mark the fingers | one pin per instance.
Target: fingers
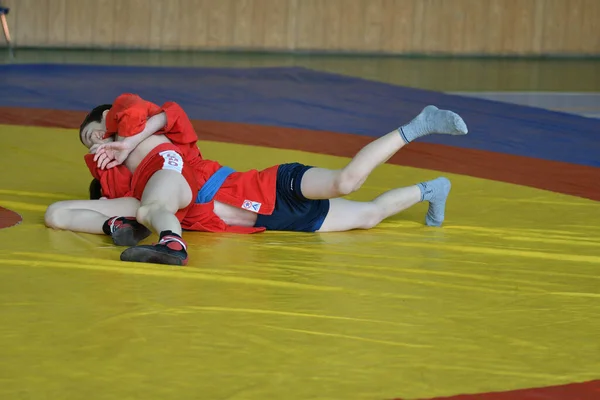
(107, 155)
(99, 152)
(105, 162)
(102, 152)
(101, 159)
(113, 164)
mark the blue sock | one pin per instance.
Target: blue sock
(435, 192)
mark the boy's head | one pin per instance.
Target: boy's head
(93, 127)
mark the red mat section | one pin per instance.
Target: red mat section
(8, 218)
(574, 391)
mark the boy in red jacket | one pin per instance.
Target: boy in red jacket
(155, 184)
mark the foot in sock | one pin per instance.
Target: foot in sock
(125, 231)
(435, 192)
(433, 120)
(170, 250)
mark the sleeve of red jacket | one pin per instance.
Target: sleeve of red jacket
(128, 115)
(116, 182)
(179, 128)
(180, 131)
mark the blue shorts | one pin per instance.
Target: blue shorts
(293, 211)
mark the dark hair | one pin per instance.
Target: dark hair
(95, 189)
(94, 116)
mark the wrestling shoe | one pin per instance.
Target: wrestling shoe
(170, 250)
(125, 231)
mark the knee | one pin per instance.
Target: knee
(348, 182)
(55, 216)
(144, 212)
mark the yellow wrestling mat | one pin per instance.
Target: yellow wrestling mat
(505, 296)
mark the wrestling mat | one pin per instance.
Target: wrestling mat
(500, 303)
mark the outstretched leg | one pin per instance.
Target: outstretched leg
(346, 214)
(96, 216)
(320, 183)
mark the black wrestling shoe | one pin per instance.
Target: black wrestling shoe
(125, 231)
(170, 250)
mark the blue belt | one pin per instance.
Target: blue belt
(213, 184)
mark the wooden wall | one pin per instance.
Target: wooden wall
(387, 26)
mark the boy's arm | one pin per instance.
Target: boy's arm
(153, 125)
(111, 154)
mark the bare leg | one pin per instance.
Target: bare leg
(88, 216)
(320, 183)
(166, 192)
(346, 215)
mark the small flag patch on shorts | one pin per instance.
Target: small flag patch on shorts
(251, 206)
